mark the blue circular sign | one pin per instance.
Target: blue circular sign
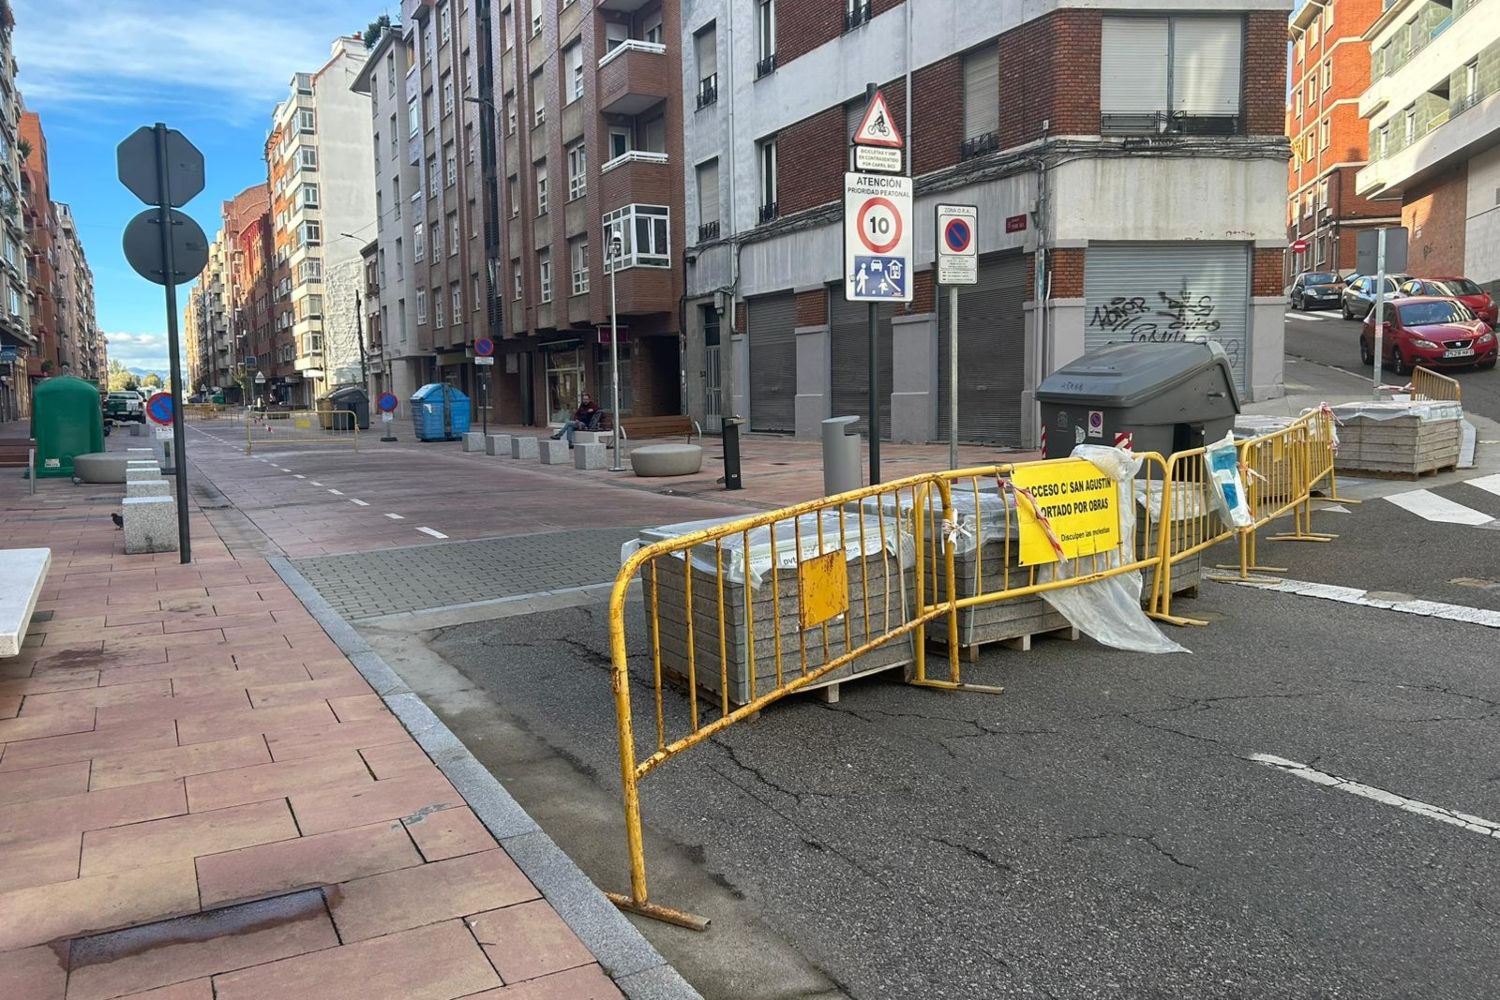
(160, 409)
(387, 402)
(484, 347)
(957, 235)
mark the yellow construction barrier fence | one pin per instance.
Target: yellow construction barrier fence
(1428, 383)
(298, 428)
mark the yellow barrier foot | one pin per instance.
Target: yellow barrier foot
(952, 686)
(1178, 619)
(665, 914)
(1316, 536)
(1236, 577)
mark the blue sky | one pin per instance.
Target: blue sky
(213, 69)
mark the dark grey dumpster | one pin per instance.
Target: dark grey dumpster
(353, 399)
(1155, 397)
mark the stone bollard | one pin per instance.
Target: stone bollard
(523, 447)
(150, 524)
(553, 452)
(590, 456)
(497, 445)
(474, 442)
(147, 488)
(141, 473)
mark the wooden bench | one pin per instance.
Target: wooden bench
(22, 572)
(672, 425)
(14, 452)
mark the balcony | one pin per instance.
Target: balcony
(766, 66)
(856, 14)
(1453, 135)
(636, 177)
(708, 231)
(633, 77)
(623, 6)
(979, 145)
(708, 91)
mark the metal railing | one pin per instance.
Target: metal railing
(766, 213)
(857, 13)
(708, 90)
(1426, 382)
(273, 429)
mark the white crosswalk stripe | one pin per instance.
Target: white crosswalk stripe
(1429, 506)
(1490, 484)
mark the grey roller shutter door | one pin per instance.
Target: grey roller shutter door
(1165, 292)
(991, 353)
(773, 362)
(849, 347)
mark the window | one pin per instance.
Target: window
(706, 50)
(436, 231)
(578, 250)
(708, 200)
(643, 234)
(311, 269)
(1327, 73)
(573, 71)
(445, 23)
(395, 142)
(615, 35)
(540, 169)
(765, 36)
(395, 197)
(311, 234)
(578, 181)
(473, 218)
(474, 290)
(1297, 102)
(456, 294)
(508, 27)
(515, 276)
(437, 308)
(1328, 17)
(544, 273)
(1322, 194)
(536, 18)
(765, 156)
(981, 101)
(310, 307)
(419, 242)
(306, 120)
(1324, 133)
(469, 154)
(512, 197)
(422, 306)
(312, 343)
(309, 157)
(619, 142)
(400, 263)
(432, 177)
(1410, 125)
(1384, 144)
(448, 93)
(653, 30)
(450, 156)
(538, 99)
(1171, 73)
(310, 195)
(414, 118)
(427, 116)
(510, 113)
(453, 237)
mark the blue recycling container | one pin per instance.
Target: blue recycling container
(439, 412)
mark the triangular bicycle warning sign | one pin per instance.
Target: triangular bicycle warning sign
(878, 127)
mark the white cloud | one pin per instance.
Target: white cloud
(219, 57)
(138, 350)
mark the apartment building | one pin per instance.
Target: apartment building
(249, 292)
(376, 364)
(591, 112)
(1127, 161)
(38, 253)
(19, 362)
(1330, 68)
(215, 343)
(73, 297)
(1434, 132)
(323, 210)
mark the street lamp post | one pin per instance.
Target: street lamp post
(487, 165)
(614, 250)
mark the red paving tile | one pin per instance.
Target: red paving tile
(323, 859)
(394, 901)
(527, 941)
(33, 974)
(448, 833)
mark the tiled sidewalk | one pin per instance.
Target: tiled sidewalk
(200, 797)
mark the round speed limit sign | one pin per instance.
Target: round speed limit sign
(879, 225)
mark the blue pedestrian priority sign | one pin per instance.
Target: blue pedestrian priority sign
(880, 277)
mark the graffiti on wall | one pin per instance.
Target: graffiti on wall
(1171, 318)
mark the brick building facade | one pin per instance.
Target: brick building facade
(1103, 180)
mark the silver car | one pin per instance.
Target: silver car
(1359, 293)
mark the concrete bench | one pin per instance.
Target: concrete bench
(102, 467)
(22, 573)
(666, 460)
(150, 524)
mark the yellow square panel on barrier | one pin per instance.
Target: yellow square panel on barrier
(303, 423)
(1081, 505)
(823, 587)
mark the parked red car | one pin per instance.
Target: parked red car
(1477, 299)
(1431, 332)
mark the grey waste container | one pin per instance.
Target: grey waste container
(1159, 397)
(841, 471)
(353, 399)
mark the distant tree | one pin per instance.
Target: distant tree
(375, 29)
(119, 378)
(152, 381)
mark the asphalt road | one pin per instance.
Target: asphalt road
(1328, 339)
(1101, 828)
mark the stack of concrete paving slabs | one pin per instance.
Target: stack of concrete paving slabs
(1398, 437)
(753, 583)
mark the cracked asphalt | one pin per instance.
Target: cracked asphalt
(1099, 829)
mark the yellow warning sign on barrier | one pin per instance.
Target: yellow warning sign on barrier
(1080, 505)
(823, 582)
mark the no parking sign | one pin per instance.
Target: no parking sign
(957, 254)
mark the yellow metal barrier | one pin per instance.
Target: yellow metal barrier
(744, 613)
(1426, 382)
(212, 411)
(1190, 524)
(298, 428)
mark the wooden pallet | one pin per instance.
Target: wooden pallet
(1405, 474)
(1020, 643)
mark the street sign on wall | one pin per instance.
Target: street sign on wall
(957, 251)
(877, 238)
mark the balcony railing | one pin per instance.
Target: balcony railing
(708, 91)
(856, 14)
(979, 145)
(1398, 140)
(708, 231)
(1167, 123)
(633, 156)
(767, 212)
(631, 45)
(766, 66)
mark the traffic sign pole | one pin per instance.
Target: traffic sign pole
(179, 429)
(956, 263)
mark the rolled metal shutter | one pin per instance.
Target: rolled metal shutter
(991, 352)
(849, 350)
(1167, 292)
(773, 362)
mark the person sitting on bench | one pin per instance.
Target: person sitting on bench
(586, 417)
